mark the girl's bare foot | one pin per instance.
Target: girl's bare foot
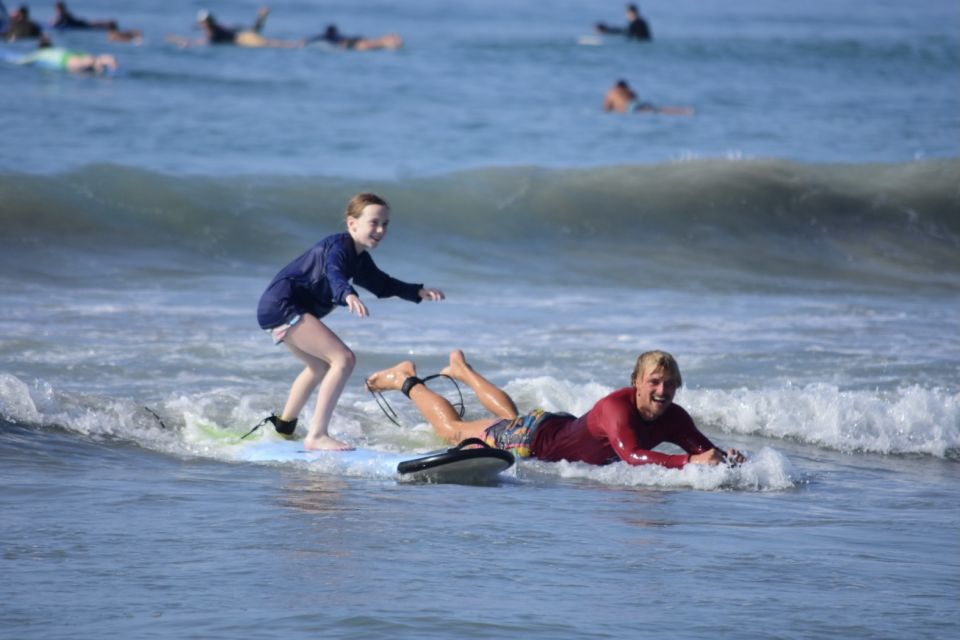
(391, 379)
(458, 367)
(325, 443)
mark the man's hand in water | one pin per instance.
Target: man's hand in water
(717, 456)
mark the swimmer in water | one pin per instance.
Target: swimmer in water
(333, 37)
(48, 56)
(621, 98)
(216, 33)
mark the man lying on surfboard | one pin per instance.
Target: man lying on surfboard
(216, 33)
(332, 36)
(48, 56)
(625, 425)
(621, 98)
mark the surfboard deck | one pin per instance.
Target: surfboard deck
(470, 462)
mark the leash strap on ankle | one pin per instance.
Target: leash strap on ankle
(409, 384)
(413, 381)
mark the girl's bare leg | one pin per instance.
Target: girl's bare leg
(329, 365)
(435, 408)
(302, 387)
(493, 398)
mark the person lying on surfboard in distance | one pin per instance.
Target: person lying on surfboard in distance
(64, 19)
(333, 37)
(217, 33)
(625, 425)
(48, 56)
(621, 98)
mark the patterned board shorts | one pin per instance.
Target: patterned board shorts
(517, 435)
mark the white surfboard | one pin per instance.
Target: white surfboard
(590, 41)
(470, 462)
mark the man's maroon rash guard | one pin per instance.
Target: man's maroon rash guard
(613, 430)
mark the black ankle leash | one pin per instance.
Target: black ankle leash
(257, 426)
(154, 414)
(283, 427)
(409, 384)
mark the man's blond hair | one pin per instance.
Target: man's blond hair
(653, 360)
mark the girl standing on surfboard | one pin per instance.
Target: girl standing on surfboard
(309, 288)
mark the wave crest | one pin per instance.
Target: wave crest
(910, 420)
(757, 216)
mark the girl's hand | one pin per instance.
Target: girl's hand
(355, 306)
(431, 294)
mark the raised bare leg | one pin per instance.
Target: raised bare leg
(493, 398)
(392, 379)
(435, 408)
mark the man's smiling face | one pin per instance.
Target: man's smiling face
(655, 391)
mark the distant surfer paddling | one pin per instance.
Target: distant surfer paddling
(216, 33)
(621, 98)
(64, 19)
(625, 425)
(47, 56)
(309, 288)
(333, 37)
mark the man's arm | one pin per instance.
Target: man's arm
(604, 28)
(616, 416)
(701, 450)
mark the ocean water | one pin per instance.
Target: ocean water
(795, 243)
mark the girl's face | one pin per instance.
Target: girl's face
(370, 228)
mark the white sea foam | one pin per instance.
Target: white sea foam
(15, 402)
(911, 419)
(766, 470)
